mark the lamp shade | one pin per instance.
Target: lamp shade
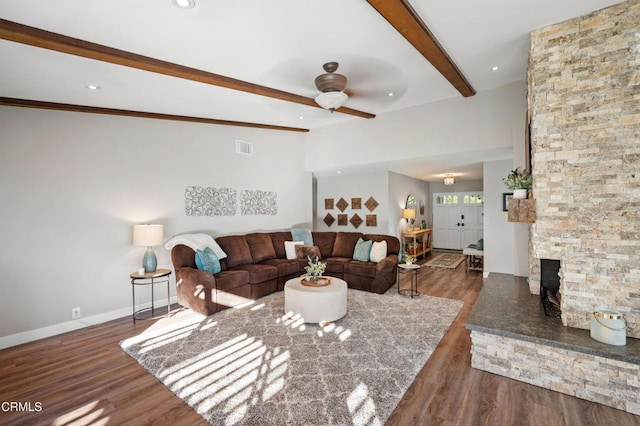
(331, 100)
(147, 235)
(408, 214)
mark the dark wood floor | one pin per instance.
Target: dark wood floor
(84, 377)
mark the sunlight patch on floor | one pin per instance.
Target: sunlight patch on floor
(85, 415)
(362, 407)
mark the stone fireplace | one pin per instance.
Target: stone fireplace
(584, 97)
(584, 105)
(550, 287)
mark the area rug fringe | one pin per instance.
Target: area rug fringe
(255, 365)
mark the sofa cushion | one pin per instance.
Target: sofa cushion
(363, 269)
(260, 246)
(345, 244)
(226, 280)
(259, 273)
(362, 250)
(336, 264)
(237, 250)
(325, 241)
(285, 267)
(278, 239)
(206, 260)
(306, 252)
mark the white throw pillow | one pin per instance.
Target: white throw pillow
(378, 251)
(290, 248)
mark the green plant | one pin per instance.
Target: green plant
(517, 179)
(408, 258)
(315, 268)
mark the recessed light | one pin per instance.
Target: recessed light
(92, 87)
(301, 118)
(495, 68)
(338, 172)
(390, 94)
(184, 4)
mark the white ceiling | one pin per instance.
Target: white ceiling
(278, 43)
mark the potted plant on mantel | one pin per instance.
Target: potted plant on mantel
(519, 181)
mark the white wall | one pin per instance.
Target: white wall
(486, 122)
(498, 232)
(458, 186)
(73, 185)
(521, 230)
(360, 186)
(400, 187)
(389, 189)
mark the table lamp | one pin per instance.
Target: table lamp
(409, 214)
(148, 236)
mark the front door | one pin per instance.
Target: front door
(457, 219)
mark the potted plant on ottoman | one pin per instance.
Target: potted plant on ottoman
(519, 181)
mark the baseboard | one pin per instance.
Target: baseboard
(65, 327)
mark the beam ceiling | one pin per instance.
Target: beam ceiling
(406, 21)
(25, 103)
(32, 36)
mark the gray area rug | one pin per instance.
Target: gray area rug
(255, 366)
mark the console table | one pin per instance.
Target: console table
(421, 240)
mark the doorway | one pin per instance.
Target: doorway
(458, 219)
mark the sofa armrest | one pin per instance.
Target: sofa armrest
(196, 289)
(386, 273)
(387, 265)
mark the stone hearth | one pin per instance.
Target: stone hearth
(511, 336)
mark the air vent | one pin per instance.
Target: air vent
(244, 148)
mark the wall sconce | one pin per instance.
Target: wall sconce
(148, 236)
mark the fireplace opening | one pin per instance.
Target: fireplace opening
(550, 287)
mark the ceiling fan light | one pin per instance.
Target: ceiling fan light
(184, 4)
(331, 100)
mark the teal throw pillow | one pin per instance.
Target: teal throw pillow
(480, 245)
(362, 250)
(300, 234)
(207, 261)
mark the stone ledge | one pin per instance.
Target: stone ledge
(511, 337)
(505, 307)
(597, 379)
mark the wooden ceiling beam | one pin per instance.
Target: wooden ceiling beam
(27, 103)
(406, 21)
(37, 37)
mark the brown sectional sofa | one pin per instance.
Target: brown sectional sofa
(256, 265)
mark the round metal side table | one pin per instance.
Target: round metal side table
(412, 270)
(150, 278)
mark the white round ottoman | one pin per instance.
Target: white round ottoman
(316, 304)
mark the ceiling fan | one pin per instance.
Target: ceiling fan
(332, 85)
